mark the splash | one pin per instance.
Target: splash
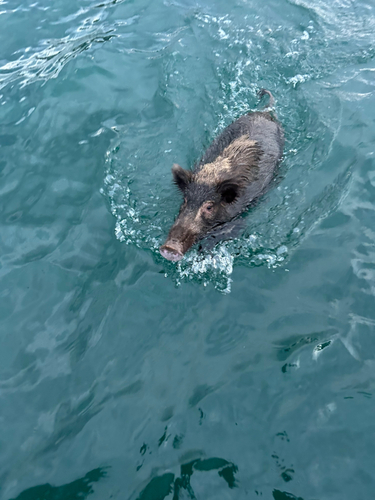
(138, 183)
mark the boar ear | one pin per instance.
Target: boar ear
(229, 191)
(181, 177)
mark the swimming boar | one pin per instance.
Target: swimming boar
(234, 171)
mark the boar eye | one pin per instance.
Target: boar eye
(208, 207)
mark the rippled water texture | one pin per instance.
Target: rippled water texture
(242, 372)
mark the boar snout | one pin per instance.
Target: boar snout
(172, 251)
(179, 241)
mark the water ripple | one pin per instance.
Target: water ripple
(48, 62)
(143, 203)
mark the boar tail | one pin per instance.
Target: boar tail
(271, 102)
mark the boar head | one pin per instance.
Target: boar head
(213, 194)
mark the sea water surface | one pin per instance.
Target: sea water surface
(244, 372)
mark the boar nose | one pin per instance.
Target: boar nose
(171, 251)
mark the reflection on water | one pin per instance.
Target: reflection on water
(76, 490)
(283, 495)
(161, 486)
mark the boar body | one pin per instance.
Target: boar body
(234, 171)
(268, 138)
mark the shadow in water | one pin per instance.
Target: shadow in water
(289, 346)
(283, 495)
(161, 486)
(77, 490)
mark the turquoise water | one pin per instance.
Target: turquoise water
(245, 372)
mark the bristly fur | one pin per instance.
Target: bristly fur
(235, 170)
(238, 163)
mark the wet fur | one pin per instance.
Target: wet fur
(254, 144)
(238, 163)
(234, 171)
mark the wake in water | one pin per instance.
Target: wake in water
(138, 181)
(273, 228)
